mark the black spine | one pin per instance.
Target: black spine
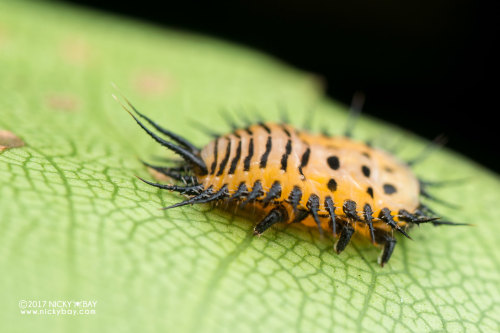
(313, 206)
(295, 197)
(330, 207)
(274, 193)
(368, 215)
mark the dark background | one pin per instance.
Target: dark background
(428, 66)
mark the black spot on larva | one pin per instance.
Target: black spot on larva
(332, 185)
(370, 192)
(365, 170)
(366, 154)
(389, 189)
(390, 170)
(333, 162)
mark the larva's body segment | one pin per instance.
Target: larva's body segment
(291, 176)
(361, 173)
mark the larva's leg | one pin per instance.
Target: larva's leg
(276, 215)
(386, 253)
(345, 237)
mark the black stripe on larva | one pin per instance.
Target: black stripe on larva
(226, 158)
(295, 197)
(236, 159)
(332, 185)
(284, 158)
(370, 192)
(264, 126)
(214, 163)
(286, 131)
(389, 189)
(333, 162)
(249, 131)
(246, 163)
(264, 157)
(365, 170)
(304, 160)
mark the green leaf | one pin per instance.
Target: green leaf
(77, 225)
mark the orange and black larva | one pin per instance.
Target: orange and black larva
(292, 176)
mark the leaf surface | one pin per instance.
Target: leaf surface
(77, 225)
